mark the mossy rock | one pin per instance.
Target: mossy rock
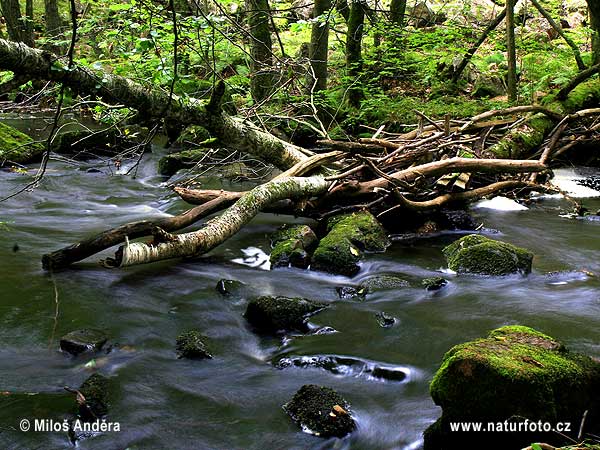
(80, 341)
(291, 246)
(96, 392)
(383, 283)
(84, 144)
(191, 345)
(17, 147)
(348, 237)
(192, 137)
(481, 255)
(169, 164)
(272, 314)
(516, 372)
(434, 283)
(321, 411)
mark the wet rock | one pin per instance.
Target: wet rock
(385, 320)
(169, 164)
(95, 391)
(434, 283)
(190, 345)
(456, 219)
(291, 246)
(17, 147)
(85, 144)
(481, 255)
(515, 372)
(383, 282)
(349, 292)
(388, 373)
(272, 314)
(229, 287)
(85, 340)
(348, 236)
(321, 411)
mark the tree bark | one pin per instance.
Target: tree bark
(354, 50)
(319, 46)
(261, 49)
(218, 230)
(16, 24)
(511, 51)
(237, 133)
(397, 12)
(594, 10)
(53, 21)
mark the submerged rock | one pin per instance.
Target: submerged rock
(17, 147)
(272, 314)
(169, 164)
(291, 246)
(80, 341)
(229, 287)
(348, 237)
(95, 390)
(385, 320)
(350, 292)
(383, 282)
(481, 255)
(190, 345)
(434, 283)
(85, 144)
(516, 372)
(321, 411)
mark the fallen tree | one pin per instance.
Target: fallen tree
(443, 164)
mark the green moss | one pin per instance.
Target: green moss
(170, 164)
(434, 283)
(272, 314)
(321, 410)
(480, 255)
(585, 95)
(520, 141)
(383, 282)
(348, 237)
(515, 371)
(96, 392)
(191, 345)
(291, 246)
(17, 147)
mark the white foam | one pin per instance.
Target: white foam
(566, 180)
(501, 204)
(254, 257)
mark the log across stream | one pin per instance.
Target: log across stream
(234, 400)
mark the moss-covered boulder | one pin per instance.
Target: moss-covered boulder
(17, 147)
(434, 283)
(481, 255)
(85, 144)
(383, 283)
(95, 390)
(291, 246)
(272, 314)
(191, 345)
(169, 164)
(80, 341)
(321, 411)
(192, 137)
(516, 373)
(348, 237)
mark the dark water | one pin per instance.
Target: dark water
(234, 401)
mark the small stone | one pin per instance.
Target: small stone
(229, 287)
(272, 314)
(434, 283)
(349, 292)
(191, 345)
(95, 392)
(85, 340)
(388, 373)
(385, 320)
(311, 408)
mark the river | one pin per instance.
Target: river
(234, 400)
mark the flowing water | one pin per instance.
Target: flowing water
(234, 400)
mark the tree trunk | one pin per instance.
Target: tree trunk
(319, 46)
(594, 10)
(397, 12)
(53, 21)
(353, 50)
(235, 132)
(511, 51)
(16, 24)
(261, 84)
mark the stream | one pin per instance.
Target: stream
(234, 400)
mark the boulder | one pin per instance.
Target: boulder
(434, 283)
(17, 147)
(190, 345)
(229, 287)
(478, 254)
(85, 144)
(169, 164)
(489, 86)
(350, 292)
(383, 283)
(272, 314)
(516, 373)
(80, 341)
(348, 237)
(291, 246)
(321, 411)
